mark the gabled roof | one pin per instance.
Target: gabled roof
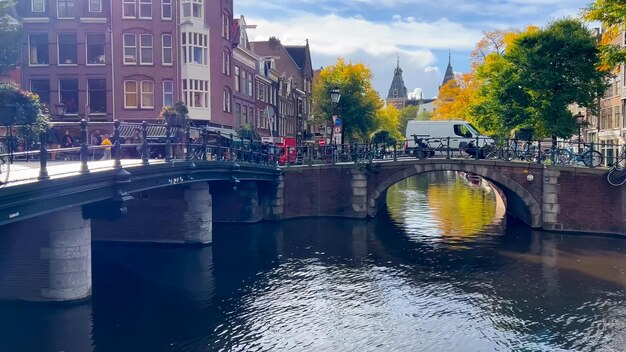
(298, 54)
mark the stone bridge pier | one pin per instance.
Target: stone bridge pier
(47, 258)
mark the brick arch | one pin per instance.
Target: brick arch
(520, 202)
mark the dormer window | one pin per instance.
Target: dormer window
(38, 5)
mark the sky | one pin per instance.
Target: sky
(376, 32)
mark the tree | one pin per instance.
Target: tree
(542, 72)
(247, 131)
(456, 97)
(388, 119)
(28, 108)
(384, 137)
(10, 34)
(407, 114)
(359, 101)
(612, 15)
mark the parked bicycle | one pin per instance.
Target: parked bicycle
(587, 156)
(556, 156)
(525, 151)
(617, 172)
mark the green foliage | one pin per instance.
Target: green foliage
(247, 131)
(384, 137)
(359, 101)
(28, 108)
(424, 115)
(10, 34)
(540, 75)
(612, 15)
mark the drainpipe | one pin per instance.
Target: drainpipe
(112, 61)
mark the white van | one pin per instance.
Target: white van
(436, 133)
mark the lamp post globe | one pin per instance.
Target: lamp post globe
(580, 121)
(335, 95)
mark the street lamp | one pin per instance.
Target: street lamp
(335, 95)
(580, 121)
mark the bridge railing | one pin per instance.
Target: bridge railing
(91, 146)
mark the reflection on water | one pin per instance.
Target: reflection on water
(444, 206)
(396, 283)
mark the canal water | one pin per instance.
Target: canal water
(441, 270)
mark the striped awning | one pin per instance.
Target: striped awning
(158, 131)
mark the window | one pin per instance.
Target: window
(38, 49)
(41, 87)
(166, 9)
(192, 8)
(168, 93)
(129, 9)
(145, 49)
(250, 87)
(237, 79)
(95, 5)
(226, 62)
(196, 93)
(38, 5)
(68, 95)
(226, 102)
(225, 26)
(145, 9)
(65, 8)
(147, 95)
(95, 49)
(67, 49)
(130, 94)
(166, 47)
(130, 49)
(97, 96)
(238, 114)
(195, 48)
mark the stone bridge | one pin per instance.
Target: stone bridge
(46, 227)
(543, 197)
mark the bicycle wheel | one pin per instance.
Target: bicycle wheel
(489, 152)
(616, 177)
(507, 154)
(562, 156)
(592, 158)
(5, 165)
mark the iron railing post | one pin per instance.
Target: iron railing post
(477, 154)
(231, 148)
(205, 136)
(84, 150)
(117, 163)
(168, 142)
(43, 155)
(187, 143)
(539, 161)
(448, 147)
(144, 143)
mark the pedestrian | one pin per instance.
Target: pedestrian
(135, 139)
(106, 142)
(67, 141)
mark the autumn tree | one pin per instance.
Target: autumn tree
(388, 119)
(456, 97)
(541, 73)
(10, 34)
(407, 114)
(359, 101)
(612, 15)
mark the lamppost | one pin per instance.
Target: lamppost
(580, 121)
(335, 95)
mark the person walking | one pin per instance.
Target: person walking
(107, 150)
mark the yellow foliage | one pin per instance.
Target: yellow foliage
(388, 119)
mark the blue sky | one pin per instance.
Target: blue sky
(375, 31)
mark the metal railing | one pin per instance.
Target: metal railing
(188, 143)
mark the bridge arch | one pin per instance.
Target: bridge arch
(519, 202)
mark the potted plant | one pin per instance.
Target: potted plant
(176, 115)
(20, 107)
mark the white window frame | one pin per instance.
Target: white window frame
(142, 47)
(164, 4)
(142, 93)
(42, 3)
(237, 79)
(59, 50)
(61, 17)
(143, 3)
(227, 101)
(168, 92)
(126, 106)
(133, 47)
(129, 2)
(89, 91)
(87, 50)
(171, 50)
(226, 62)
(92, 2)
(30, 63)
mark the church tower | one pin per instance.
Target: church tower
(449, 71)
(397, 92)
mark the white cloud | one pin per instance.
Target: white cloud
(431, 69)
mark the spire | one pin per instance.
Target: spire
(398, 89)
(449, 71)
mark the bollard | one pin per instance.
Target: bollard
(144, 143)
(84, 150)
(43, 155)
(117, 163)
